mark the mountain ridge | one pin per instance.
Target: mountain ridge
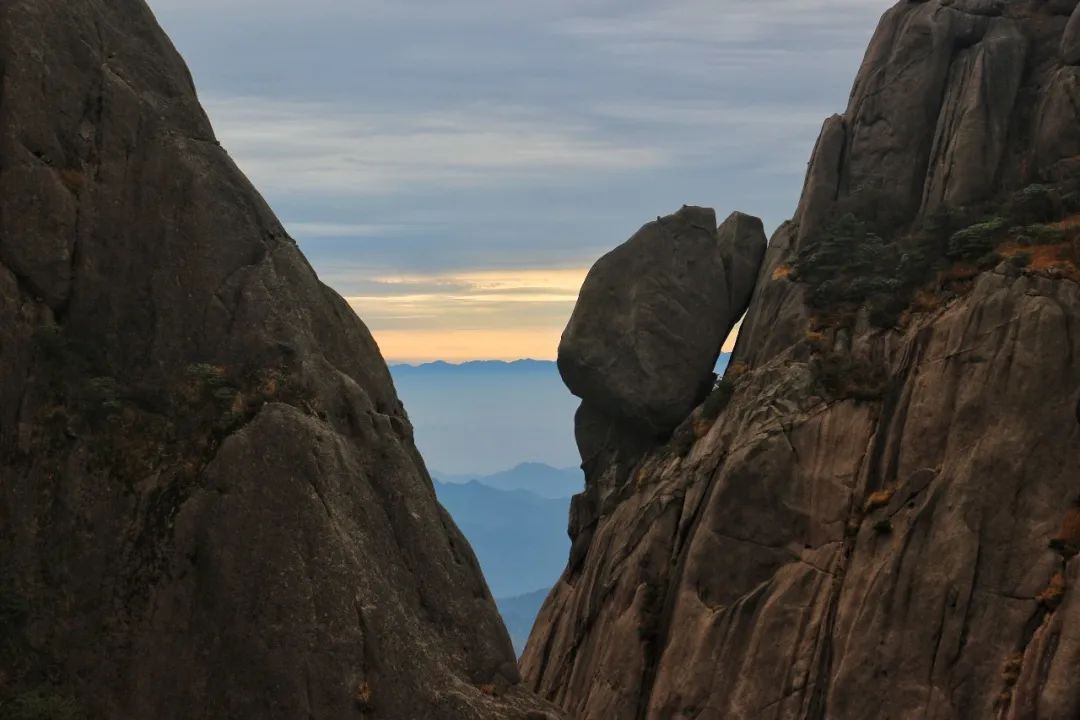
(534, 477)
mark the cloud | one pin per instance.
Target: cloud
(495, 314)
(427, 155)
(322, 148)
(342, 230)
(728, 23)
(476, 299)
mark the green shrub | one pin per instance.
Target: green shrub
(839, 376)
(225, 394)
(13, 611)
(849, 265)
(1033, 204)
(846, 263)
(207, 375)
(1020, 260)
(41, 704)
(989, 261)
(1070, 202)
(978, 239)
(865, 258)
(885, 310)
(1040, 235)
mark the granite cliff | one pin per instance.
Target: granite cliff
(875, 513)
(211, 505)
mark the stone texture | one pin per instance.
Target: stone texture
(972, 129)
(822, 176)
(743, 246)
(745, 577)
(798, 555)
(210, 500)
(1058, 136)
(940, 112)
(1046, 685)
(653, 313)
(1070, 42)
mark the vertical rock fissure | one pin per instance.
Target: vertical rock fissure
(679, 545)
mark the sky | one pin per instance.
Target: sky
(453, 169)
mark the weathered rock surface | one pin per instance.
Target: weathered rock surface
(954, 102)
(210, 501)
(744, 579)
(1070, 42)
(653, 313)
(643, 341)
(894, 551)
(742, 245)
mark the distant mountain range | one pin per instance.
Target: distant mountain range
(515, 521)
(519, 613)
(479, 418)
(474, 367)
(519, 537)
(473, 420)
(481, 367)
(537, 478)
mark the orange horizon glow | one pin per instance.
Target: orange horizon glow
(510, 314)
(457, 346)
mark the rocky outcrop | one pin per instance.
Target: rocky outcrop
(653, 313)
(1070, 42)
(873, 515)
(210, 501)
(644, 337)
(742, 245)
(954, 102)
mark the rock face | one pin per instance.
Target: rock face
(875, 518)
(954, 101)
(210, 501)
(1070, 43)
(653, 313)
(644, 337)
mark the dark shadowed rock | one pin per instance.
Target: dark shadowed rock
(210, 501)
(941, 112)
(653, 313)
(822, 176)
(643, 340)
(868, 521)
(1070, 42)
(742, 245)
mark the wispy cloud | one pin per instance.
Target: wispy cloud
(727, 23)
(342, 230)
(405, 140)
(501, 314)
(536, 297)
(311, 147)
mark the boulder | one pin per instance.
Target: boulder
(653, 313)
(743, 246)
